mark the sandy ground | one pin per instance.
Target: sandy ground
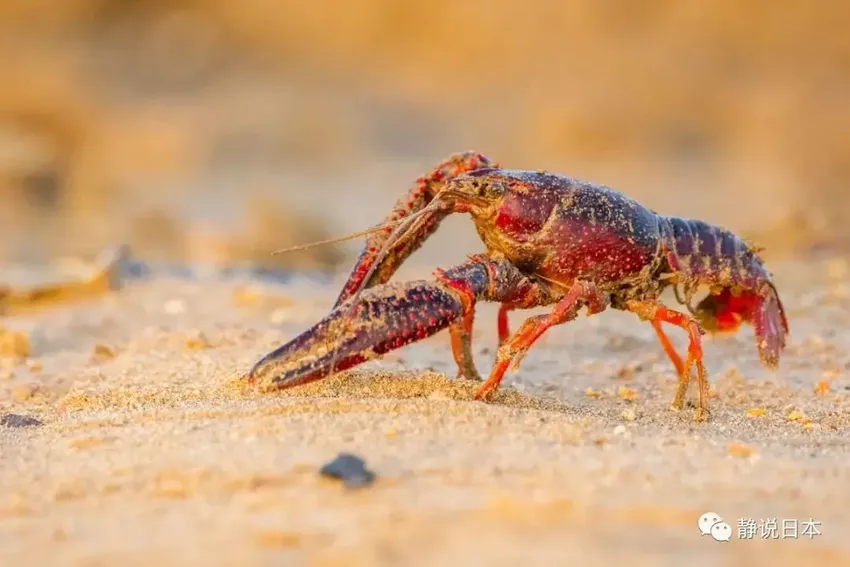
(152, 453)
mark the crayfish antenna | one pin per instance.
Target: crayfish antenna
(337, 239)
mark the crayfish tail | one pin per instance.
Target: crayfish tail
(726, 310)
(385, 318)
(771, 326)
(742, 288)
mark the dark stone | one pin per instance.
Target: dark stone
(15, 420)
(351, 469)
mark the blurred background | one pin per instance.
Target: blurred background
(214, 131)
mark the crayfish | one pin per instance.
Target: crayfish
(550, 240)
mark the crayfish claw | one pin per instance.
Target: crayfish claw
(385, 318)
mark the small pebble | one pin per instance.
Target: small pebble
(15, 420)
(349, 468)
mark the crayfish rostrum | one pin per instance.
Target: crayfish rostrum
(550, 241)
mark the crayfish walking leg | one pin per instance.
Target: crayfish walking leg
(657, 313)
(512, 351)
(503, 323)
(461, 340)
(668, 347)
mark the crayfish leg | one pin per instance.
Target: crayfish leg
(668, 347)
(503, 324)
(512, 351)
(519, 292)
(461, 338)
(656, 314)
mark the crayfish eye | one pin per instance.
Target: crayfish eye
(490, 189)
(477, 187)
(480, 185)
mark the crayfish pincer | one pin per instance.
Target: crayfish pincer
(550, 240)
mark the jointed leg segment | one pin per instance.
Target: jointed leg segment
(513, 350)
(461, 330)
(503, 324)
(668, 347)
(505, 284)
(461, 335)
(657, 314)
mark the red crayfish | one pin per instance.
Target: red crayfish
(550, 240)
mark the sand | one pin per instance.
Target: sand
(152, 452)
